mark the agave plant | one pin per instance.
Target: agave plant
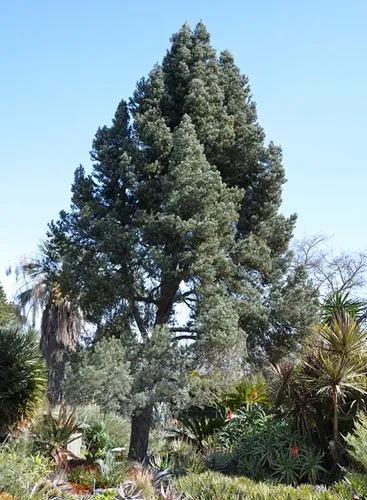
(50, 489)
(128, 490)
(218, 458)
(55, 432)
(22, 377)
(169, 493)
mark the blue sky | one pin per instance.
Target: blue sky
(65, 65)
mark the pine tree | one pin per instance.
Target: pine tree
(181, 211)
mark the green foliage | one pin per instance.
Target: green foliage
(100, 374)
(96, 440)
(117, 428)
(322, 392)
(8, 312)
(23, 379)
(263, 446)
(340, 303)
(218, 458)
(112, 469)
(181, 210)
(250, 390)
(212, 485)
(198, 424)
(54, 431)
(184, 458)
(107, 495)
(357, 441)
(20, 471)
(352, 486)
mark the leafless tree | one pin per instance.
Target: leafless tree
(330, 273)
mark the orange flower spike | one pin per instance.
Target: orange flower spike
(254, 394)
(230, 415)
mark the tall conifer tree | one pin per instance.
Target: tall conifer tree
(182, 210)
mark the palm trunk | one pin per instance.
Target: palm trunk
(60, 331)
(141, 422)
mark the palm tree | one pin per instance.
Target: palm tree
(61, 323)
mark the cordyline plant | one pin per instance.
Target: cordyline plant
(331, 372)
(174, 242)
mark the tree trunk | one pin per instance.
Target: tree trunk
(142, 418)
(139, 439)
(335, 447)
(168, 291)
(335, 419)
(60, 331)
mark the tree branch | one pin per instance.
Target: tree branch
(139, 320)
(185, 337)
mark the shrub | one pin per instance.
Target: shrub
(100, 375)
(113, 471)
(184, 458)
(353, 486)
(215, 486)
(266, 447)
(357, 441)
(19, 471)
(105, 430)
(199, 424)
(250, 390)
(96, 440)
(23, 379)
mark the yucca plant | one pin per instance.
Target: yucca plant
(22, 377)
(341, 303)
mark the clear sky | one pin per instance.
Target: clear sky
(65, 65)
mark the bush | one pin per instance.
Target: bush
(357, 441)
(19, 471)
(184, 458)
(100, 375)
(352, 486)
(215, 486)
(265, 447)
(23, 378)
(96, 440)
(105, 429)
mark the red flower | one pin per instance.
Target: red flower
(294, 450)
